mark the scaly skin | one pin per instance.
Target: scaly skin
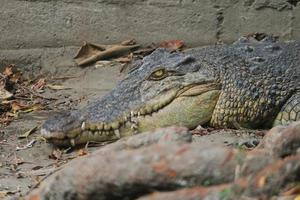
(245, 84)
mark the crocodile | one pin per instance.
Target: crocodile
(248, 84)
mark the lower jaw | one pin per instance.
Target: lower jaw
(187, 111)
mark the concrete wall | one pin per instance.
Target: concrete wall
(40, 24)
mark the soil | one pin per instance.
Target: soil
(21, 169)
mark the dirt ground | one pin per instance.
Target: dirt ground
(23, 167)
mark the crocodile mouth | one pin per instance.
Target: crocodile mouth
(189, 106)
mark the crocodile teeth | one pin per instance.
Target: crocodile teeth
(117, 133)
(98, 132)
(72, 141)
(83, 125)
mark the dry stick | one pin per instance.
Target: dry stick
(38, 95)
(110, 52)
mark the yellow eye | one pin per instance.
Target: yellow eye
(158, 74)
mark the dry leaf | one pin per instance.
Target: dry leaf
(4, 94)
(11, 79)
(18, 105)
(9, 114)
(125, 59)
(90, 53)
(8, 71)
(39, 85)
(82, 152)
(16, 77)
(172, 44)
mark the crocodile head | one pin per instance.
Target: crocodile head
(163, 89)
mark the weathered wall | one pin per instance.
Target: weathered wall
(35, 24)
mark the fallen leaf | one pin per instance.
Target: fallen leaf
(125, 59)
(18, 105)
(9, 114)
(82, 152)
(16, 77)
(172, 44)
(39, 85)
(27, 133)
(4, 94)
(8, 70)
(90, 53)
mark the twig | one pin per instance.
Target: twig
(38, 95)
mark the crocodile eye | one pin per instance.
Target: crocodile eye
(158, 74)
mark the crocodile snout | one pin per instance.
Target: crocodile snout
(57, 125)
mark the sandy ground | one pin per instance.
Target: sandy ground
(21, 170)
